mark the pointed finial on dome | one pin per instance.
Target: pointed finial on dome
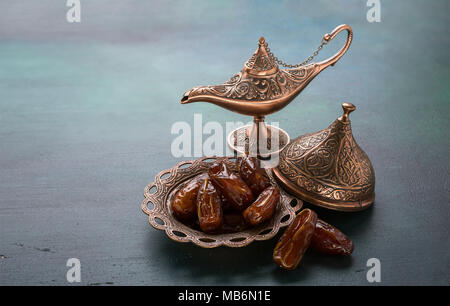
(348, 108)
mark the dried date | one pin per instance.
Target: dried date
(329, 240)
(209, 207)
(295, 240)
(253, 175)
(264, 206)
(184, 203)
(233, 223)
(233, 188)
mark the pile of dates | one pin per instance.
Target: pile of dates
(221, 201)
(308, 231)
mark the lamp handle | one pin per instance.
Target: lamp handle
(328, 37)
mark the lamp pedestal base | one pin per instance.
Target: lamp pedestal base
(259, 139)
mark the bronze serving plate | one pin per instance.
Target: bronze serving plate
(160, 192)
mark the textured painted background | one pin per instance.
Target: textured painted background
(86, 111)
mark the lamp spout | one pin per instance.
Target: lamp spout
(185, 97)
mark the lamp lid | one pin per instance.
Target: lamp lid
(261, 64)
(328, 168)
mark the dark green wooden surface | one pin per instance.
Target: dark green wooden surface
(86, 111)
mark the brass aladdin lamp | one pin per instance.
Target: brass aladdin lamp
(262, 88)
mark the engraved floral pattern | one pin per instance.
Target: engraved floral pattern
(243, 86)
(260, 62)
(329, 163)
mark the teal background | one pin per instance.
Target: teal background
(86, 111)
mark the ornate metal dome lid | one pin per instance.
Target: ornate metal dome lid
(261, 64)
(328, 168)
